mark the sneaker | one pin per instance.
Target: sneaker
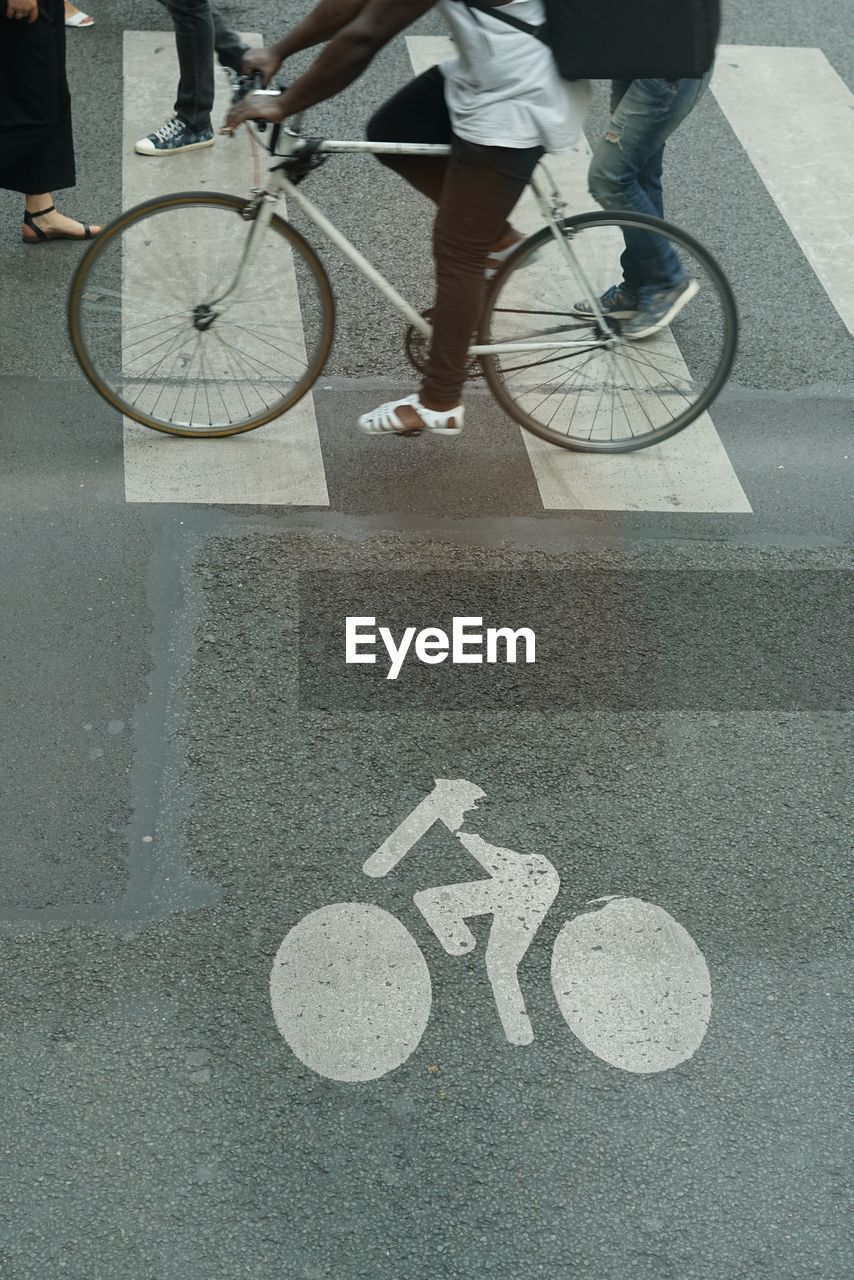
(618, 302)
(657, 308)
(173, 137)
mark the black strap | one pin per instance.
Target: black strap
(28, 219)
(541, 32)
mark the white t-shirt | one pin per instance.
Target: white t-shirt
(503, 88)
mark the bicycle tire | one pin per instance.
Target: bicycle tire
(489, 332)
(188, 200)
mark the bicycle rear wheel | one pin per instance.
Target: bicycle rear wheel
(162, 336)
(582, 384)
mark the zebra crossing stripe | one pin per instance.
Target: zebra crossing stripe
(690, 473)
(793, 115)
(280, 464)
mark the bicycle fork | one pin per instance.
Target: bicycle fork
(259, 213)
(518, 894)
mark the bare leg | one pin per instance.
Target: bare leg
(55, 221)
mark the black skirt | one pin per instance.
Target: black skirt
(36, 146)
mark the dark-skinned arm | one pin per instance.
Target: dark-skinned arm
(343, 60)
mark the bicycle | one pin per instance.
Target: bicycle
(351, 991)
(241, 323)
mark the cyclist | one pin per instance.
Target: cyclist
(499, 105)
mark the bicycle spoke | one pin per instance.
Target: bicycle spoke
(245, 355)
(638, 359)
(183, 384)
(174, 350)
(237, 382)
(130, 345)
(281, 350)
(169, 333)
(144, 355)
(205, 383)
(196, 389)
(552, 391)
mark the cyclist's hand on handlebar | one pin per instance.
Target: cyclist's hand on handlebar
(255, 107)
(261, 62)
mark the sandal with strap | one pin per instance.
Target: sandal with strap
(384, 421)
(79, 19)
(41, 237)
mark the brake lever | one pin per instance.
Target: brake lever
(255, 86)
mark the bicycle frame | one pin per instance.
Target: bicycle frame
(280, 184)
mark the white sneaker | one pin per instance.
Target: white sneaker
(173, 137)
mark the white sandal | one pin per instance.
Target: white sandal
(383, 421)
(80, 19)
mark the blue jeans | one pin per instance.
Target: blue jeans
(625, 171)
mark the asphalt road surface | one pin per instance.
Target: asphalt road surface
(191, 779)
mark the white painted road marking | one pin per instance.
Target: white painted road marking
(691, 473)
(280, 464)
(794, 116)
(632, 985)
(351, 992)
(517, 895)
(449, 801)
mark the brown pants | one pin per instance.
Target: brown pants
(476, 189)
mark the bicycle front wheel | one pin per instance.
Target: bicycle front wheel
(581, 382)
(178, 328)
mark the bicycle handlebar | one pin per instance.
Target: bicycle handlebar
(252, 84)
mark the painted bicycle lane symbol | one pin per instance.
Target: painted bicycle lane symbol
(351, 991)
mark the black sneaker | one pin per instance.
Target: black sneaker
(173, 137)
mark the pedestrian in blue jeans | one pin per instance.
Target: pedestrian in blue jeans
(625, 173)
